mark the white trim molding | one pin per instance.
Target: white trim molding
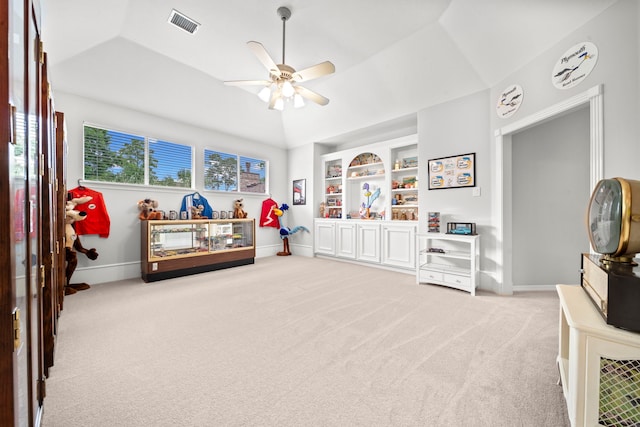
(502, 200)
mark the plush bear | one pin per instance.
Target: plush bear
(238, 211)
(73, 245)
(196, 212)
(148, 210)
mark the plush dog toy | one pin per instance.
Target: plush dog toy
(196, 212)
(73, 245)
(148, 210)
(238, 211)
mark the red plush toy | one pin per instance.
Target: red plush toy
(73, 245)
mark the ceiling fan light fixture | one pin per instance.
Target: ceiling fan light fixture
(287, 89)
(279, 104)
(265, 93)
(298, 101)
(284, 84)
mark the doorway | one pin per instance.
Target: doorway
(593, 98)
(550, 190)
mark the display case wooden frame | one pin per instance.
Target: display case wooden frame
(196, 246)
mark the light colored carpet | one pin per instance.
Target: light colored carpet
(295, 341)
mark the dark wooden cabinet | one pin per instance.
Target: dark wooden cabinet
(28, 262)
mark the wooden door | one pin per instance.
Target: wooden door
(35, 168)
(49, 205)
(21, 368)
(61, 200)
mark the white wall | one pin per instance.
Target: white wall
(615, 33)
(300, 166)
(458, 127)
(120, 252)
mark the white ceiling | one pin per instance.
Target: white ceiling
(392, 57)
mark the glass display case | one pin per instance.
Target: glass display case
(179, 247)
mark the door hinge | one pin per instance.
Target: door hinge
(16, 329)
(41, 164)
(14, 125)
(40, 51)
(43, 389)
(42, 274)
(57, 247)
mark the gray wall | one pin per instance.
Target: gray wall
(550, 191)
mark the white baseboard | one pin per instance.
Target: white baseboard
(131, 270)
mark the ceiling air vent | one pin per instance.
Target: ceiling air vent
(183, 22)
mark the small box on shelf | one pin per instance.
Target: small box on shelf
(464, 228)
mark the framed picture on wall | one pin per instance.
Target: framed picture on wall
(299, 192)
(452, 172)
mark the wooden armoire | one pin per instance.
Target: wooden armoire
(32, 196)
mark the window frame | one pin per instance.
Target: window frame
(206, 151)
(148, 140)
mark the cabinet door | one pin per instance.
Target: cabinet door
(346, 240)
(368, 242)
(325, 238)
(612, 383)
(398, 246)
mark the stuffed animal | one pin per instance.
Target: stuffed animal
(196, 212)
(238, 211)
(148, 210)
(73, 245)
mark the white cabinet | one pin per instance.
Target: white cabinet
(346, 240)
(599, 364)
(374, 242)
(398, 245)
(325, 238)
(448, 259)
(368, 241)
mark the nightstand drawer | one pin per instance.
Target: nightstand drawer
(457, 280)
(429, 275)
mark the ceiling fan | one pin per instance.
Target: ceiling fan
(283, 82)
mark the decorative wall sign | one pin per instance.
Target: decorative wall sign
(575, 65)
(509, 101)
(452, 172)
(300, 192)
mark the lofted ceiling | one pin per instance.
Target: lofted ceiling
(392, 57)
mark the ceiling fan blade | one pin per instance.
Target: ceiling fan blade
(311, 95)
(264, 57)
(274, 97)
(248, 82)
(318, 70)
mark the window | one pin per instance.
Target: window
(230, 172)
(111, 156)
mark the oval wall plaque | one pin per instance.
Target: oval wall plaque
(575, 65)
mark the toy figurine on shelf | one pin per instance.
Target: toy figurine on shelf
(365, 212)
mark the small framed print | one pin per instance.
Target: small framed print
(230, 215)
(223, 214)
(300, 192)
(215, 215)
